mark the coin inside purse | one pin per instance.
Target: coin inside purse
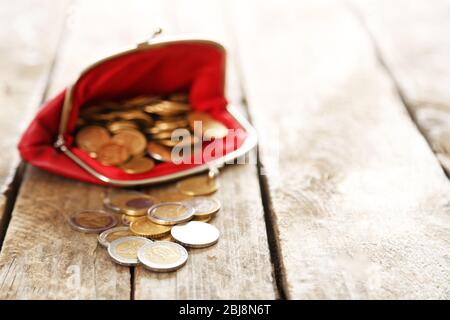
(193, 67)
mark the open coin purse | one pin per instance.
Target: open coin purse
(158, 67)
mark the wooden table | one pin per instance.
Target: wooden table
(352, 95)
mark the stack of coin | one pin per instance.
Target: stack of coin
(155, 230)
(131, 134)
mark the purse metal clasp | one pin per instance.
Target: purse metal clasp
(155, 33)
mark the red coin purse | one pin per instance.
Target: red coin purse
(158, 67)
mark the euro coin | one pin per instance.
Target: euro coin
(130, 202)
(138, 165)
(142, 100)
(162, 256)
(134, 140)
(159, 152)
(198, 186)
(179, 97)
(92, 221)
(167, 108)
(170, 213)
(146, 228)
(195, 234)
(92, 138)
(127, 220)
(214, 130)
(203, 206)
(205, 219)
(112, 154)
(171, 125)
(118, 126)
(124, 250)
(108, 236)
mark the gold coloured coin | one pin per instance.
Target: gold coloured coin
(198, 186)
(130, 202)
(124, 250)
(108, 236)
(170, 213)
(132, 139)
(204, 206)
(146, 228)
(179, 97)
(167, 108)
(138, 165)
(92, 221)
(162, 256)
(159, 152)
(92, 138)
(171, 125)
(118, 126)
(214, 130)
(142, 100)
(112, 154)
(127, 220)
(204, 219)
(211, 129)
(162, 135)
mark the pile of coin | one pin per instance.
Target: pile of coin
(155, 230)
(133, 133)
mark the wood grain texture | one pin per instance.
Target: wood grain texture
(42, 257)
(40, 245)
(409, 36)
(361, 204)
(25, 63)
(238, 267)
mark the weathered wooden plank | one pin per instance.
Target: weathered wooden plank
(238, 267)
(409, 36)
(42, 257)
(25, 61)
(359, 200)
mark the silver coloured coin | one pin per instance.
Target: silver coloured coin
(203, 206)
(124, 250)
(107, 236)
(195, 234)
(162, 256)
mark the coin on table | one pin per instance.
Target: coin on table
(108, 236)
(92, 221)
(134, 140)
(203, 206)
(196, 234)
(159, 152)
(124, 250)
(127, 220)
(205, 219)
(138, 165)
(131, 203)
(92, 138)
(162, 256)
(170, 213)
(198, 186)
(146, 228)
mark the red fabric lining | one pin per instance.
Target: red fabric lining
(187, 66)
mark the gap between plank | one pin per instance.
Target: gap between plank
(13, 188)
(396, 84)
